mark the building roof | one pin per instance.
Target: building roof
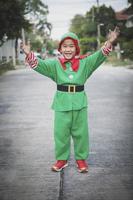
(124, 14)
(121, 15)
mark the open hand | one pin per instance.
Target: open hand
(113, 35)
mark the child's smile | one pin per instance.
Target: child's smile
(68, 49)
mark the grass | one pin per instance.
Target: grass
(6, 67)
(122, 62)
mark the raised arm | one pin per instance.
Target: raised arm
(95, 60)
(45, 67)
(111, 38)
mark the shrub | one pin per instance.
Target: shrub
(127, 50)
(88, 44)
(5, 67)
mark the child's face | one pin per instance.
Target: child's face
(68, 49)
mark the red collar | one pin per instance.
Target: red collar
(74, 62)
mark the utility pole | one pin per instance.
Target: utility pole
(98, 35)
(98, 27)
(98, 6)
(98, 23)
(13, 53)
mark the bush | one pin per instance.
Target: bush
(88, 44)
(6, 67)
(127, 50)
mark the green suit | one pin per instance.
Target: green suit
(70, 108)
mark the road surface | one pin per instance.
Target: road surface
(27, 145)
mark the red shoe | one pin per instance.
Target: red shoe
(59, 165)
(82, 166)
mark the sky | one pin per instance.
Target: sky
(62, 11)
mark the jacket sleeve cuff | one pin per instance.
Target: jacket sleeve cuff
(31, 59)
(106, 48)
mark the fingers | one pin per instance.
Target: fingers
(21, 45)
(117, 30)
(113, 35)
(25, 48)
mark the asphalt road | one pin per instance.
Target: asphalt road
(27, 146)
(110, 93)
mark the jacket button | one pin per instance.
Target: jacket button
(70, 76)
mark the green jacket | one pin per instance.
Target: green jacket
(65, 101)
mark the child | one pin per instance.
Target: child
(70, 73)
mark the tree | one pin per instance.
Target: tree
(38, 11)
(76, 24)
(126, 39)
(88, 44)
(87, 26)
(105, 16)
(131, 2)
(11, 19)
(16, 14)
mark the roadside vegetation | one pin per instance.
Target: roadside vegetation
(4, 67)
(91, 28)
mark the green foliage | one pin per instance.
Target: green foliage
(50, 45)
(77, 24)
(115, 62)
(130, 1)
(126, 33)
(88, 44)
(105, 16)
(86, 27)
(13, 16)
(5, 67)
(89, 28)
(36, 44)
(35, 7)
(38, 11)
(55, 44)
(127, 48)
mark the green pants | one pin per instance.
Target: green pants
(71, 123)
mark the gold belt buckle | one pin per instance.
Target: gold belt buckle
(72, 88)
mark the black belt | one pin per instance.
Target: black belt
(70, 88)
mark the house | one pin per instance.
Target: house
(125, 16)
